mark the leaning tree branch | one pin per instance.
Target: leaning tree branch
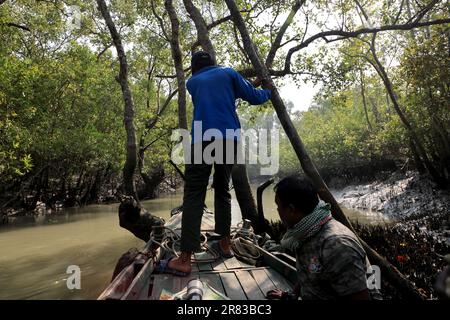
(202, 29)
(251, 72)
(276, 44)
(171, 76)
(213, 25)
(145, 148)
(15, 25)
(151, 68)
(358, 4)
(160, 21)
(420, 14)
(103, 51)
(241, 49)
(152, 123)
(353, 34)
(218, 22)
(399, 12)
(224, 19)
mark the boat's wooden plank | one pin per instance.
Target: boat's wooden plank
(232, 270)
(206, 266)
(283, 268)
(218, 265)
(245, 264)
(160, 282)
(251, 288)
(278, 280)
(263, 280)
(233, 288)
(213, 279)
(202, 266)
(232, 263)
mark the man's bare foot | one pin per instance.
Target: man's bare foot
(182, 263)
(225, 245)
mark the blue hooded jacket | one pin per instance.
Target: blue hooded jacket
(214, 91)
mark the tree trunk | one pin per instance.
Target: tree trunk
(131, 156)
(202, 29)
(412, 133)
(152, 180)
(93, 193)
(390, 272)
(88, 185)
(363, 94)
(408, 10)
(80, 178)
(375, 111)
(440, 141)
(178, 61)
(277, 42)
(419, 164)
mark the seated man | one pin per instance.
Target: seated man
(331, 262)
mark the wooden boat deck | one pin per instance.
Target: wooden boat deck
(231, 277)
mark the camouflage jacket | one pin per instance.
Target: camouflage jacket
(332, 263)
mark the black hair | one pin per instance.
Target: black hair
(201, 59)
(298, 191)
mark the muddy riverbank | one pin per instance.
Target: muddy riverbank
(419, 233)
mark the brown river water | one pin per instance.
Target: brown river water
(36, 251)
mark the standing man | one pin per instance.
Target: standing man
(214, 90)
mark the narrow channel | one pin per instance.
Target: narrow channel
(35, 251)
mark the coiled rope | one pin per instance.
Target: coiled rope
(171, 240)
(242, 243)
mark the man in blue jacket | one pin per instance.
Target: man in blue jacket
(214, 90)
